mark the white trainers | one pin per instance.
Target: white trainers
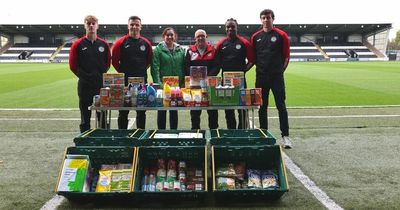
(286, 142)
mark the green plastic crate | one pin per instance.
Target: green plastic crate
(226, 137)
(148, 138)
(224, 98)
(99, 156)
(109, 137)
(256, 157)
(195, 156)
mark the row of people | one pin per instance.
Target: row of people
(132, 54)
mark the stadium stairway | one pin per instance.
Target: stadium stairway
(5, 47)
(55, 53)
(373, 49)
(323, 53)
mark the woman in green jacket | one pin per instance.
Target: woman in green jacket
(168, 60)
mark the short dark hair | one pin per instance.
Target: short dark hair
(231, 19)
(135, 18)
(266, 12)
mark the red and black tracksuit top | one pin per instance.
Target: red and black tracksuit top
(271, 49)
(232, 53)
(132, 56)
(193, 58)
(89, 60)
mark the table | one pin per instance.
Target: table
(107, 111)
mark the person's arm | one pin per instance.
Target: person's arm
(218, 56)
(150, 52)
(183, 66)
(215, 65)
(73, 58)
(155, 66)
(186, 69)
(249, 53)
(285, 47)
(116, 54)
(286, 51)
(108, 59)
(252, 45)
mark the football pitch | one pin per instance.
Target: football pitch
(344, 119)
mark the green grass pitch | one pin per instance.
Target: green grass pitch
(307, 84)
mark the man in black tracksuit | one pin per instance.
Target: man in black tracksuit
(272, 49)
(232, 52)
(202, 54)
(132, 54)
(89, 58)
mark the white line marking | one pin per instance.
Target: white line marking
(131, 122)
(310, 185)
(44, 119)
(294, 107)
(338, 116)
(53, 203)
(291, 117)
(39, 109)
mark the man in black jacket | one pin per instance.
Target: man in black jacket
(235, 54)
(89, 58)
(272, 49)
(132, 54)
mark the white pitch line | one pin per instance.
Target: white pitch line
(291, 117)
(294, 107)
(44, 119)
(39, 109)
(131, 122)
(310, 185)
(338, 116)
(53, 203)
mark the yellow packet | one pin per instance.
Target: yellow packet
(104, 182)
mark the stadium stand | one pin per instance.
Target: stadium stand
(311, 42)
(305, 52)
(344, 51)
(63, 54)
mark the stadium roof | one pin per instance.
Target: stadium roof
(77, 29)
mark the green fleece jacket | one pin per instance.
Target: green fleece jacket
(167, 62)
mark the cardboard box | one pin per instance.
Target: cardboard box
(75, 174)
(229, 78)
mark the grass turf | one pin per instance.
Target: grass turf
(307, 84)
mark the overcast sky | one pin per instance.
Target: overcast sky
(200, 11)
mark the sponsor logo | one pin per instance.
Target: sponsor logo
(126, 46)
(194, 55)
(223, 48)
(258, 40)
(238, 46)
(142, 48)
(85, 48)
(101, 49)
(273, 39)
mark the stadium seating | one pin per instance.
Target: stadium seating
(298, 52)
(305, 52)
(28, 52)
(347, 50)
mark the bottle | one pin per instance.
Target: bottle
(167, 95)
(172, 102)
(151, 96)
